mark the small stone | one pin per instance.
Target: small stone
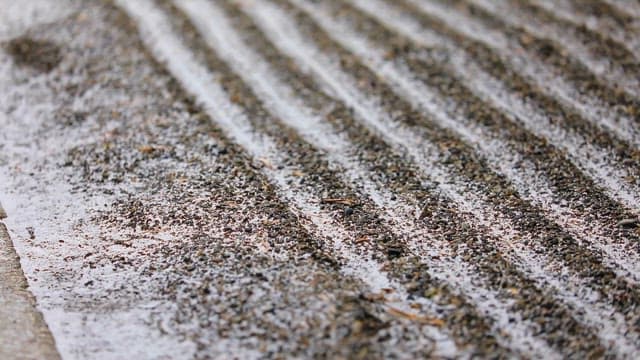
(348, 211)
(632, 222)
(394, 251)
(32, 233)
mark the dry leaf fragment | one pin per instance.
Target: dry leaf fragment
(374, 297)
(266, 163)
(146, 149)
(415, 317)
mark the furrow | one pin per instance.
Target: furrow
(601, 25)
(604, 59)
(280, 99)
(605, 9)
(393, 133)
(605, 109)
(323, 181)
(528, 178)
(591, 150)
(628, 8)
(583, 268)
(544, 50)
(283, 117)
(343, 33)
(487, 260)
(402, 140)
(592, 161)
(196, 79)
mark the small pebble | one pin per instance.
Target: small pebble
(629, 222)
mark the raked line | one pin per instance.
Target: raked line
(530, 183)
(591, 159)
(626, 7)
(166, 46)
(566, 11)
(600, 67)
(278, 27)
(592, 109)
(281, 101)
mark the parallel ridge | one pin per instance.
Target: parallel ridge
(198, 80)
(280, 101)
(531, 261)
(595, 19)
(603, 58)
(629, 8)
(502, 151)
(591, 119)
(500, 270)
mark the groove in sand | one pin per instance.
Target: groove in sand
(567, 11)
(592, 109)
(591, 159)
(281, 101)
(600, 67)
(166, 47)
(530, 183)
(275, 24)
(626, 7)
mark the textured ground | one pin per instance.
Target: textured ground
(23, 331)
(331, 179)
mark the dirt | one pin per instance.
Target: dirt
(40, 55)
(145, 230)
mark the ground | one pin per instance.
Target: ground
(304, 179)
